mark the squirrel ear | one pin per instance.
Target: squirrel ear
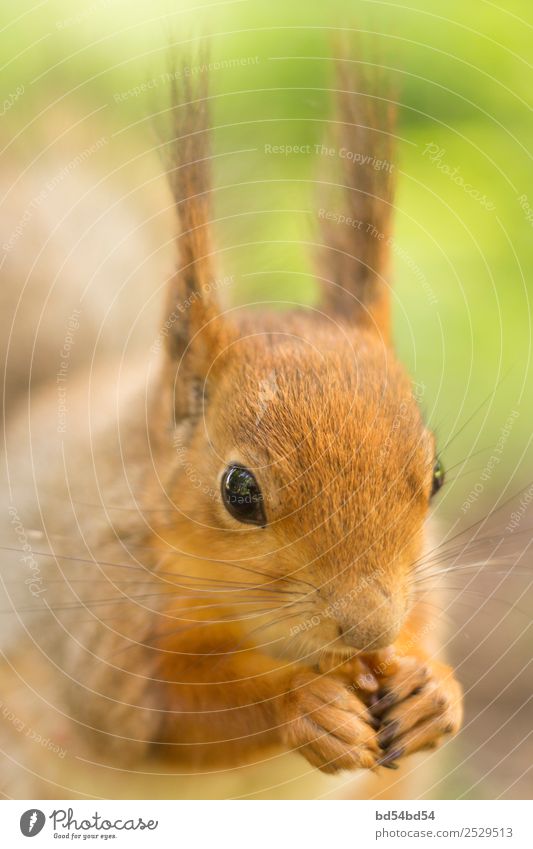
(193, 326)
(355, 260)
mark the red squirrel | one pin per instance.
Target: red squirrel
(228, 532)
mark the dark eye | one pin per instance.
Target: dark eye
(242, 496)
(438, 477)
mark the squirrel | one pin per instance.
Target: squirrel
(222, 542)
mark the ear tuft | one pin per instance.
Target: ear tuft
(192, 316)
(354, 262)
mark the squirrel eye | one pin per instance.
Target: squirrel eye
(438, 477)
(242, 496)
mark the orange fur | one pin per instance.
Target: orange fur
(267, 638)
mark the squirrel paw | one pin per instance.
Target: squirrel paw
(419, 704)
(329, 725)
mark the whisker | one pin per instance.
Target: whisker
(474, 414)
(486, 600)
(69, 580)
(481, 522)
(466, 459)
(489, 560)
(121, 600)
(170, 613)
(211, 622)
(228, 604)
(158, 572)
(287, 578)
(137, 509)
(253, 614)
(480, 565)
(468, 547)
(271, 624)
(446, 614)
(237, 565)
(87, 560)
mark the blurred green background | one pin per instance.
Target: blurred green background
(463, 274)
(465, 86)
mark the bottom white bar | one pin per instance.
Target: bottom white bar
(267, 825)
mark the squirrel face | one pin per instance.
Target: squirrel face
(309, 465)
(305, 465)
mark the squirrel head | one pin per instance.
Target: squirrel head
(302, 464)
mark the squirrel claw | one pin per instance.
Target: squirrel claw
(329, 725)
(421, 706)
